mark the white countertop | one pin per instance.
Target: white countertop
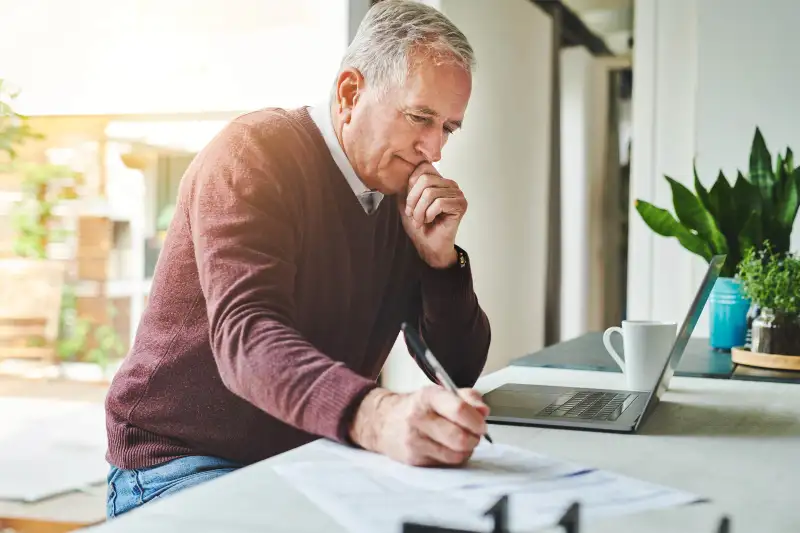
(734, 442)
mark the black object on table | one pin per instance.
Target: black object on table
(569, 521)
(587, 352)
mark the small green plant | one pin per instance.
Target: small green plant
(771, 280)
(44, 187)
(73, 332)
(77, 332)
(726, 219)
(14, 128)
(109, 345)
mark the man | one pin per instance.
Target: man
(302, 239)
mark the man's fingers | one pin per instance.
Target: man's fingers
(423, 169)
(442, 427)
(458, 411)
(441, 205)
(416, 184)
(433, 211)
(432, 442)
(426, 199)
(475, 399)
(432, 453)
(448, 434)
(417, 188)
(452, 201)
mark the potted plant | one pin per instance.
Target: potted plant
(729, 219)
(772, 281)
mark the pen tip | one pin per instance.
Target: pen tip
(489, 438)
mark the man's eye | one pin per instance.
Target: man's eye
(418, 119)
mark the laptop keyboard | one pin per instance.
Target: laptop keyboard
(589, 405)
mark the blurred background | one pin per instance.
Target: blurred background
(118, 97)
(579, 108)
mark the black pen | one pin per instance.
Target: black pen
(422, 352)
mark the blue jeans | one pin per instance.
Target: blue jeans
(128, 489)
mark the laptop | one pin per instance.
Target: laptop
(597, 409)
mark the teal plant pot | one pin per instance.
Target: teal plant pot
(727, 314)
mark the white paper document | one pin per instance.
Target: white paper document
(490, 464)
(367, 492)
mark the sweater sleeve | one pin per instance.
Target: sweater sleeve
(242, 213)
(452, 322)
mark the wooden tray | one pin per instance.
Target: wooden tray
(744, 356)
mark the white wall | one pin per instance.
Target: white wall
(661, 279)
(355, 14)
(705, 74)
(501, 161)
(584, 138)
(746, 78)
(153, 56)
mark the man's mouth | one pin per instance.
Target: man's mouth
(409, 163)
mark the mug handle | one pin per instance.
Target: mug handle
(610, 349)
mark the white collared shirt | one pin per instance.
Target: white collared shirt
(321, 115)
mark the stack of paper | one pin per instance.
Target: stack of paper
(367, 492)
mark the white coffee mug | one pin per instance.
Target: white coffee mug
(646, 346)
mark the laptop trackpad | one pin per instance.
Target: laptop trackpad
(532, 400)
(526, 401)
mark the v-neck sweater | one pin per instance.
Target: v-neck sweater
(274, 304)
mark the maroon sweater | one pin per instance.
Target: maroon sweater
(275, 302)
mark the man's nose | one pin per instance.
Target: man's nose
(430, 145)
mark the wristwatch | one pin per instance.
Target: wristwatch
(462, 260)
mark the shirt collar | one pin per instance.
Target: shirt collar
(321, 115)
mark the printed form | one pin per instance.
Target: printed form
(368, 492)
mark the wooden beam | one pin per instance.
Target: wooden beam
(605, 5)
(573, 31)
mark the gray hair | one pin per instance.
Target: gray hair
(393, 30)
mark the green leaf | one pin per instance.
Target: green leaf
(796, 176)
(662, 222)
(761, 174)
(722, 203)
(746, 200)
(783, 176)
(787, 204)
(789, 160)
(751, 235)
(702, 193)
(692, 214)
(719, 196)
(745, 195)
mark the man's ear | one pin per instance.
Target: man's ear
(349, 88)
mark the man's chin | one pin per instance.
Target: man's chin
(394, 182)
(393, 187)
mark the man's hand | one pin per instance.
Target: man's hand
(428, 427)
(431, 213)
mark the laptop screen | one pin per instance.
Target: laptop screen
(685, 333)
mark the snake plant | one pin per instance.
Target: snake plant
(731, 219)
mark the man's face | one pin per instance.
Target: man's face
(387, 136)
